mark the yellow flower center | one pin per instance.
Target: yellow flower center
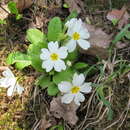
(76, 36)
(54, 56)
(75, 89)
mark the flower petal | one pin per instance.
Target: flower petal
(71, 22)
(53, 46)
(59, 65)
(19, 89)
(8, 73)
(71, 45)
(62, 51)
(64, 86)
(48, 65)
(84, 44)
(77, 26)
(84, 34)
(45, 54)
(86, 88)
(11, 90)
(67, 98)
(78, 79)
(6, 82)
(79, 98)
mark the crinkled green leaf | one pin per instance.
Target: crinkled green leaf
(54, 29)
(12, 7)
(73, 56)
(35, 36)
(34, 52)
(43, 81)
(52, 89)
(63, 76)
(2, 21)
(19, 59)
(81, 65)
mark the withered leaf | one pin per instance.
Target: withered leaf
(99, 40)
(121, 15)
(65, 111)
(23, 4)
(4, 12)
(75, 5)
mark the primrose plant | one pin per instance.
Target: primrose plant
(55, 56)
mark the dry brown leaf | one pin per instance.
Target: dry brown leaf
(4, 12)
(46, 118)
(124, 20)
(121, 15)
(65, 111)
(23, 4)
(99, 40)
(44, 124)
(121, 45)
(74, 5)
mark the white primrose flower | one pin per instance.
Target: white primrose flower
(9, 81)
(78, 34)
(74, 91)
(52, 57)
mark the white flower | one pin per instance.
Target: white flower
(9, 81)
(74, 91)
(52, 57)
(78, 34)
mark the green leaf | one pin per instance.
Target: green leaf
(73, 14)
(73, 56)
(19, 59)
(63, 76)
(35, 36)
(65, 5)
(59, 127)
(34, 52)
(2, 21)
(121, 34)
(101, 97)
(90, 71)
(12, 7)
(43, 81)
(127, 35)
(52, 89)
(19, 16)
(81, 65)
(54, 29)
(115, 21)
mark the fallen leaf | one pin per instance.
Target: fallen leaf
(124, 20)
(121, 45)
(44, 124)
(38, 22)
(41, 3)
(23, 4)
(75, 5)
(46, 118)
(4, 12)
(65, 111)
(121, 15)
(99, 40)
